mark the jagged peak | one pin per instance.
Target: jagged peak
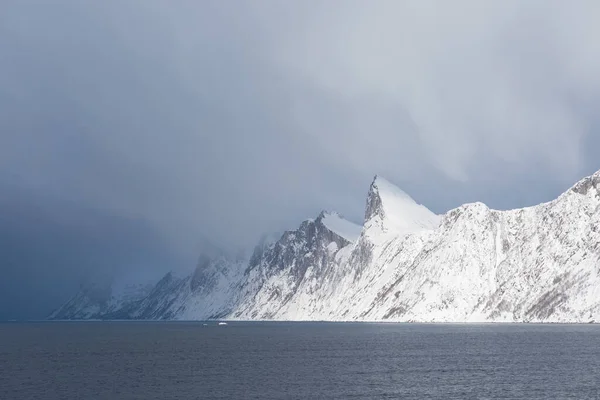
(383, 191)
(584, 185)
(326, 220)
(395, 209)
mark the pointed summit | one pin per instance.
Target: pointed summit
(393, 209)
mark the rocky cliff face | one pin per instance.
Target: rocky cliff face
(536, 264)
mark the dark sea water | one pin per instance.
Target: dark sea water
(177, 360)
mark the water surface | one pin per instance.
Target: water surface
(188, 360)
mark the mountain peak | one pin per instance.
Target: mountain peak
(587, 183)
(395, 209)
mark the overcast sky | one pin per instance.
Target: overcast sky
(131, 132)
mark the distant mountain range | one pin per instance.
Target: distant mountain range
(472, 264)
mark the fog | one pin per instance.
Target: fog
(133, 133)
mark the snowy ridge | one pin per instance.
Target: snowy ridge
(473, 264)
(337, 224)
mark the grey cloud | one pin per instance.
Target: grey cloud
(222, 120)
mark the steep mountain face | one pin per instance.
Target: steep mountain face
(287, 277)
(536, 264)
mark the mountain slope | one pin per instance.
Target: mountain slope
(536, 264)
(102, 296)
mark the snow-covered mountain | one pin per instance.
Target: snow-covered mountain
(404, 263)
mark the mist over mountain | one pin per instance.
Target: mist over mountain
(132, 133)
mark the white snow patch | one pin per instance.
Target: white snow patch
(342, 227)
(332, 247)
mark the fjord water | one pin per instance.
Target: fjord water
(189, 360)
